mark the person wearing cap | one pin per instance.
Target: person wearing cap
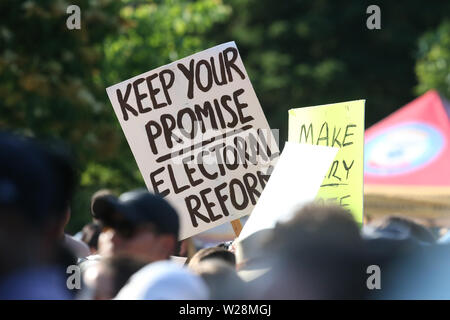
(32, 261)
(138, 224)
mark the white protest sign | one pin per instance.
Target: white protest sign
(199, 136)
(295, 181)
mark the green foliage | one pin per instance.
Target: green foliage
(154, 33)
(159, 32)
(297, 53)
(49, 78)
(53, 80)
(302, 53)
(433, 65)
(47, 72)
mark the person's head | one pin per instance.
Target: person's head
(99, 194)
(62, 164)
(315, 224)
(138, 224)
(212, 253)
(90, 234)
(28, 188)
(399, 228)
(105, 277)
(319, 256)
(164, 280)
(222, 279)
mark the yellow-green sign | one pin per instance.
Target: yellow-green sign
(339, 125)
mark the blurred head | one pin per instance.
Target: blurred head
(399, 228)
(99, 194)
(164, 280)
(63, 166)
(106, 277)
(316, 224)
(213, 253)
(28, 189)
(319, 255)
(138, 224)
(90, 234)
(221, 277)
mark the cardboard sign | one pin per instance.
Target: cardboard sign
(339, 125)
(199, 136)
(294, 182)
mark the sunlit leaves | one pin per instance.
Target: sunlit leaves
(433, 65)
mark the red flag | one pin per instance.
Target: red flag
(411, 146)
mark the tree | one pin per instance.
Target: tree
(297, 53)
(302, 53)
(433, 64)
(49, 77)
(53, 79)
(159, 32)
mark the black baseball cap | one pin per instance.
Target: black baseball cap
(134, 208)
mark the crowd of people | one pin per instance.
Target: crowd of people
(126, 251)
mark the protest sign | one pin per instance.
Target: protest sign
(199, 136)
(295, 181)
(338, 125)
(178, 260)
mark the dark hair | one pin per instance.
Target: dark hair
(27, 180)
(222, 279)
(318, 255)
(62, 164)
(90, 234)
(213, 253)
(98, 194)
(316, 223)
(417, 232)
